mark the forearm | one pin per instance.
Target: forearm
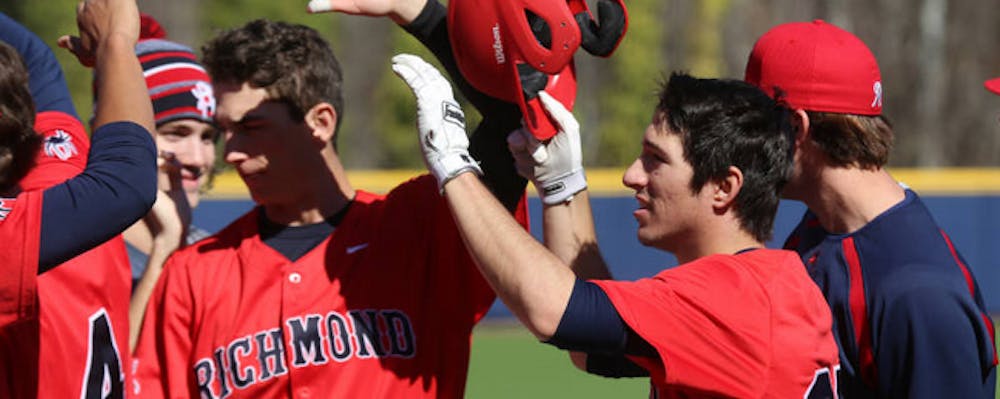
(143, 291)
(407, 11)
(530, 280)
(570, 234)
(123, 95)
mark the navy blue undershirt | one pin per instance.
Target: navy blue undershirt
(591, 324)
(116, 189)
(295, 241)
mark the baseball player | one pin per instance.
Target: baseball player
(80, 305)
(321, 290)
(909, 316)
(183, 106)
(734, 320)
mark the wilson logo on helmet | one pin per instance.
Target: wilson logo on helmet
(498, 45)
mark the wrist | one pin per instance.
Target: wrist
(116, 43)
(408, 11)
(561, 189)
(450, 166)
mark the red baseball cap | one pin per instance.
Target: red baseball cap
(818, 67)
(993, 85)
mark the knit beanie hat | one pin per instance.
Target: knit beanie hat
(178, 85)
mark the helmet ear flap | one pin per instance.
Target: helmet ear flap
(601, 37)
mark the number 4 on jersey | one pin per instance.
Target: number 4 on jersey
(103, 377)
(824, 384)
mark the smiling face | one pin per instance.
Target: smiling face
(264, 143)
(193, 143)
(668, 209)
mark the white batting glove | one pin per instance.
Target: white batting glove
(440, 120)
(555, 168)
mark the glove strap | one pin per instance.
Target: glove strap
(562, 189)
(451, 165)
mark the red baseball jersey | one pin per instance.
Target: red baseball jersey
(82, 332)
(383, 308)
(20, 226)
(20, 229)
(751, 325)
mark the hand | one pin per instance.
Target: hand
(99, 20)
(440, 120)
(170, 216)
(401, 11)
(555, 168)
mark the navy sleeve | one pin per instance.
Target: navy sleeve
(614, 366)
(46, 80)
(591, 324)
(117, 188)
(926, 345)
(488, 143)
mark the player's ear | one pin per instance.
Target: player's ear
(322, 119)
(725, 190)
(800, 125)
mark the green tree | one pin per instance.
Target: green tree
(627, 93)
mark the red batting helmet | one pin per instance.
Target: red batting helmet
(503, 46)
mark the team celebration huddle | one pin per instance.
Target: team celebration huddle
(326, 290)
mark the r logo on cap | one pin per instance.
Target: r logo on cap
(877, 88)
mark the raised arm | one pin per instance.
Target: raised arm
(119, 183)
(556, 170)
(534, 283)
(109, 30)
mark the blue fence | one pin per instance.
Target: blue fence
(973, 222)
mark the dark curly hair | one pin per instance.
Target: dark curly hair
(292, 62)
(18, 140)
(725, 123)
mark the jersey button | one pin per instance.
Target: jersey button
(305, 393)
(295, 278)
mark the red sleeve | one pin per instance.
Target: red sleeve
(709, 340)
(160, 360)
(64, 150)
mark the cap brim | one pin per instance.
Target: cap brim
(993, 85)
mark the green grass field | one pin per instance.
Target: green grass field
(508, 362)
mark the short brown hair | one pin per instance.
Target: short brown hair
(18, 140)
(292, 62)
(852, 140)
